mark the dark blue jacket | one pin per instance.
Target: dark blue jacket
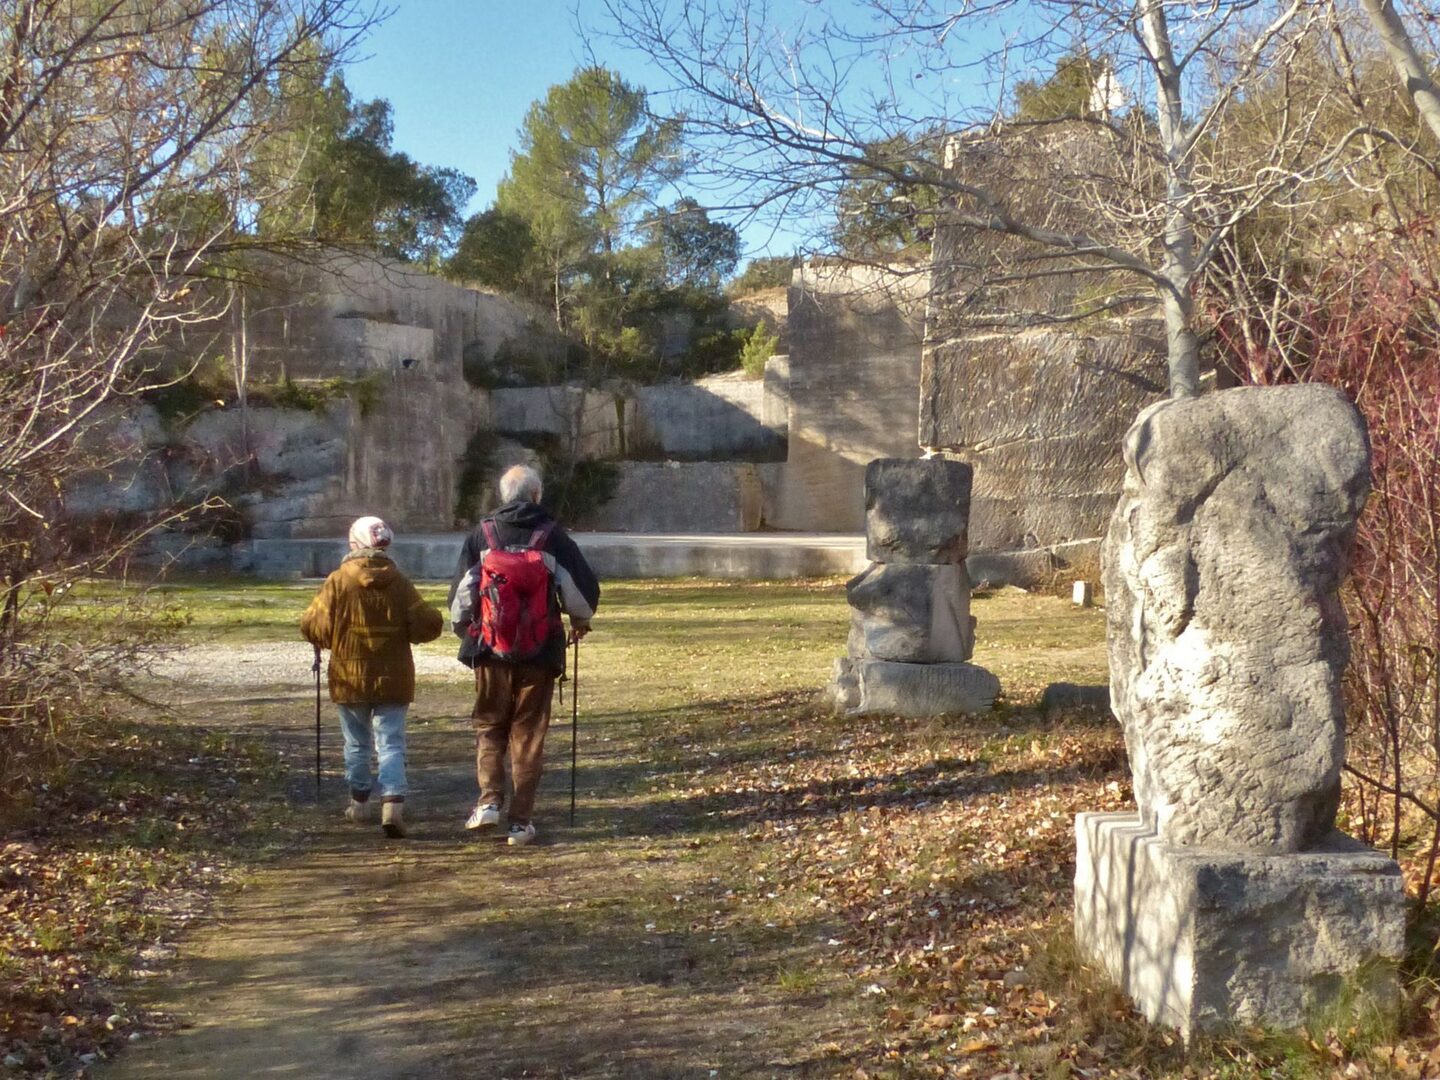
(515, 523)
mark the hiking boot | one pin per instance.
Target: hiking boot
(359, 811)
(483, 816)
(520, 835)
(392, 819)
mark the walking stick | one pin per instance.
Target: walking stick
(316, 668)
(574, 728)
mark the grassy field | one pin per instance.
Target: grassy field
(883, 898)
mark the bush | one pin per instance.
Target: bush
(477, 464)
(1367, 325)
(759, 348)
(770, 272)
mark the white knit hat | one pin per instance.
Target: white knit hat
(370, 532)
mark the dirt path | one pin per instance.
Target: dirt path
(592, 954)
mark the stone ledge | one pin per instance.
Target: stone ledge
(1203, 939)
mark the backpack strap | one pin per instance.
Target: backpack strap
(492, 538)
(539, 537)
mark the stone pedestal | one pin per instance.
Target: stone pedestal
(911, 630)
(884, 686)
(1203, 939)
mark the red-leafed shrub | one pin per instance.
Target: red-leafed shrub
(1369, 323)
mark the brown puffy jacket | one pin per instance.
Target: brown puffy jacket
(368, 615)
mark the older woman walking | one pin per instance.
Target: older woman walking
(368, 614)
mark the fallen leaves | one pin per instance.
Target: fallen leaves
(110, 865)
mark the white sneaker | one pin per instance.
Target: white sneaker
(483, 817)
(520, 835)
(358, 813)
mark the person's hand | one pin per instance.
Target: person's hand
(578, 630)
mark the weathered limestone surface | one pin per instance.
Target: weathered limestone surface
(913, 690)
(911, 613)
(917, 511)
(911, 630)
(1203, 939)
(1227, 639)
(854, 381)
(1040, 414)
(725, 417)
(682, 497)
(1229, 898)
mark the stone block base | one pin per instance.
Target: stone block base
(1203, 939)
(884, 686)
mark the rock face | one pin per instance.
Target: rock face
(854, 382)
(1227, 639)
(911, 631)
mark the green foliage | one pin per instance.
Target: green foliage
(1067, 93)
(497, 249)
(207, 388)
(886, 207)
(767, 272)
(314, 395)
(695, 252)
(710, 353)
(178, 401)
(572, 223)
(759, 347)
(356, 189)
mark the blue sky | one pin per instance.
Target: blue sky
(462, 73)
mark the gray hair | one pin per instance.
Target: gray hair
(520, 482)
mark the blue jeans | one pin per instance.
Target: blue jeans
(380, 726)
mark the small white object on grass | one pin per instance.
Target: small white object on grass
(1082, 594)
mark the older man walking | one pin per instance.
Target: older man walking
(517, 572)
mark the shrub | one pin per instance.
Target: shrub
(1367, 324)
(759, 348)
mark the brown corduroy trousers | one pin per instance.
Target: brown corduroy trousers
(512, 714)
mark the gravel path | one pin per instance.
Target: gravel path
(277, 664)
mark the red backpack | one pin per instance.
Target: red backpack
(515, 597)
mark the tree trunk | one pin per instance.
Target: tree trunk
(1182, 346)
(1408, 65)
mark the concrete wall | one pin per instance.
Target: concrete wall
(855, 339)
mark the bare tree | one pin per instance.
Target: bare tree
(787, 114)
(127, 133)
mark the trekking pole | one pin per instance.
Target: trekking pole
(316, 668)
(574, 728)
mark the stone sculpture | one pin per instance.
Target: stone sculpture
(1230, 897)
(912, 633)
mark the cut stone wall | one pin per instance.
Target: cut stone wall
(1040, 414)
(684, 497)
(719, 418)
(405, 333)
(854, 336)
(588, 423)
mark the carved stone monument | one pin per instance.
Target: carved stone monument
(1230, 897)
(911, 631)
